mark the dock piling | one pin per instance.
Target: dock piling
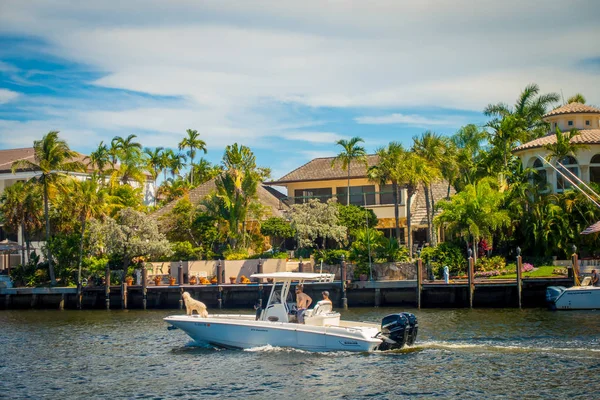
(220, 273)
(107, 288)
(180, 274)
(575, 262)
(144, 287)
(181, 298)
(124, 295)
(343, 278)
(519, 275)
(220, 297)
(61, 303)
(377, 297)
(471, 278)
(419, 279)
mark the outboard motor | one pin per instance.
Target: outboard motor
(553, 293)
(413, 328)
(394, 331)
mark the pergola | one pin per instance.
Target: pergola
(8, 247)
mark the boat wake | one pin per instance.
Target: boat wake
(487, 347)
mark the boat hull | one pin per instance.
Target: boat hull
(245, 332)
(578, 298)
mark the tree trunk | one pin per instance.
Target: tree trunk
(48, 255)
(348, 189)
(434, 239)
(396, 211)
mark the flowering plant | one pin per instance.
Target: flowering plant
(527, 267)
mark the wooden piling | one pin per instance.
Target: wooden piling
(107, 288)
(471, 278)
(220, 297)
(180, 280)
(180, 297)
(124, 295)
(419, 281)
(220, 273)
(61, 303)
(33, 300)
(575, 264)
(79, 296)
(343, 279)
(377, 297)
(260, 295)
(6, 301)
(144, 287)
(519, 278)
(300, 266)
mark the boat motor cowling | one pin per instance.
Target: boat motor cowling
(413, 328)
(394, 331)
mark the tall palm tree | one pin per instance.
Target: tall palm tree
(351, 151)
(99, 157)
(431, 147)
(87, 200)
(192, 142)
(52, 156)
(468, 141)
(387, 171)
(176, 162)
(130, 156)
(154, 161)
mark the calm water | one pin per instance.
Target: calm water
(130, 354)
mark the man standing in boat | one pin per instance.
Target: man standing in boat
(595, 278)
(303, 301)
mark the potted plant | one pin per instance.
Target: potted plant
(193, 280)
(214, 280)
(204, 281)
(157, 280)
(245, 280)
(232, 279)
(172, 280)
(129, 280)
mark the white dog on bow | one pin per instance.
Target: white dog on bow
(191, 305)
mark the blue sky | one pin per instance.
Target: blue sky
(285, 78)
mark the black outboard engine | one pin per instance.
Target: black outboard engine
(394, 331)
(413, 328)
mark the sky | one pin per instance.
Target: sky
(286, 78)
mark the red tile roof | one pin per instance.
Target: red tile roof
(573, 108)
(586, 136)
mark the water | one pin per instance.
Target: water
(460, 353)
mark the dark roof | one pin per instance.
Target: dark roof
(573, 108)
(418, 208)
(266, 197)
(586, 136)
(320, 169)
(9, 156)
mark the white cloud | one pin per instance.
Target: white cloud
(7, 95)
(313, 137)
(412, 120)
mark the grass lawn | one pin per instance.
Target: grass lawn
(538, 273)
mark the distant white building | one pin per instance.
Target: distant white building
(8, 178)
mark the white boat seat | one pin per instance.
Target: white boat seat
(587, 281)
(322, 307)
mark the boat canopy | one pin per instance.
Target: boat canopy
(291, 276)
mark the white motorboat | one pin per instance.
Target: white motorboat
(584, 297)
(275, 325)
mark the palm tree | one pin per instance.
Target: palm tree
(350, 152)
(175, 162)
(576, 98)
(468, 142)
(52, 156)
(130, 155)
(193, 143)
(564, 147)
(386, 171)
(99, 158)
(431, 147)
(88, 200)
(154, 162)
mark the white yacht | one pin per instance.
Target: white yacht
(584, 297)
(276, 325)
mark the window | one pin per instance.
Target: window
(556, 124)
(391, 233)
(541, 176)
(386, 195)
(359, 195)
(570, 123)
(569, 164)
(587, 122)
(303, 195)
(595, 169)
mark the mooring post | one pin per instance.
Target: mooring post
(259, 269)
(377, 297)
(144, 286)
(471, 278)
(419, 279)
(220, 273)
(220, 297)
(300, 266)
(7, 301)
(79, 296)
(33, 300)
(575, 262)
(124, 295)
(519, 275)
(260, 295)
(181, 298)
(343, 277)
(180, 274)
(61, 303)
(107, 288)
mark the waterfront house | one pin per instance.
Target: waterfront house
(317, 179)
(585, 164)
(8, 178)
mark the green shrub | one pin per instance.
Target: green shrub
(445, 254)
(33, 273)
(331, 257)
(184, 251)
(490, 263)
(231, 254)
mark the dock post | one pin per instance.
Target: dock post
(107, 288)
(259, 270)
(575, 262)
(471, 279)
(144, 287)
(7, 301)
(300, 266)
(260, 295)
(343, 278)
(220, 297)
(419, 279)
(377, 297)
(180, 274)
(79, 296)
(181, 298)
(124, 295)
(519, 275)
(220, 273)
(33, 300)
(61, 304)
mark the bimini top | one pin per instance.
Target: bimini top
(290, 276)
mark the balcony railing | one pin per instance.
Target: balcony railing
(367, 199)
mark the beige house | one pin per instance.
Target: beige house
(317, 179)
(586, 163)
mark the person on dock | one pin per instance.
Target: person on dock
(595, 278)
(302, 302)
